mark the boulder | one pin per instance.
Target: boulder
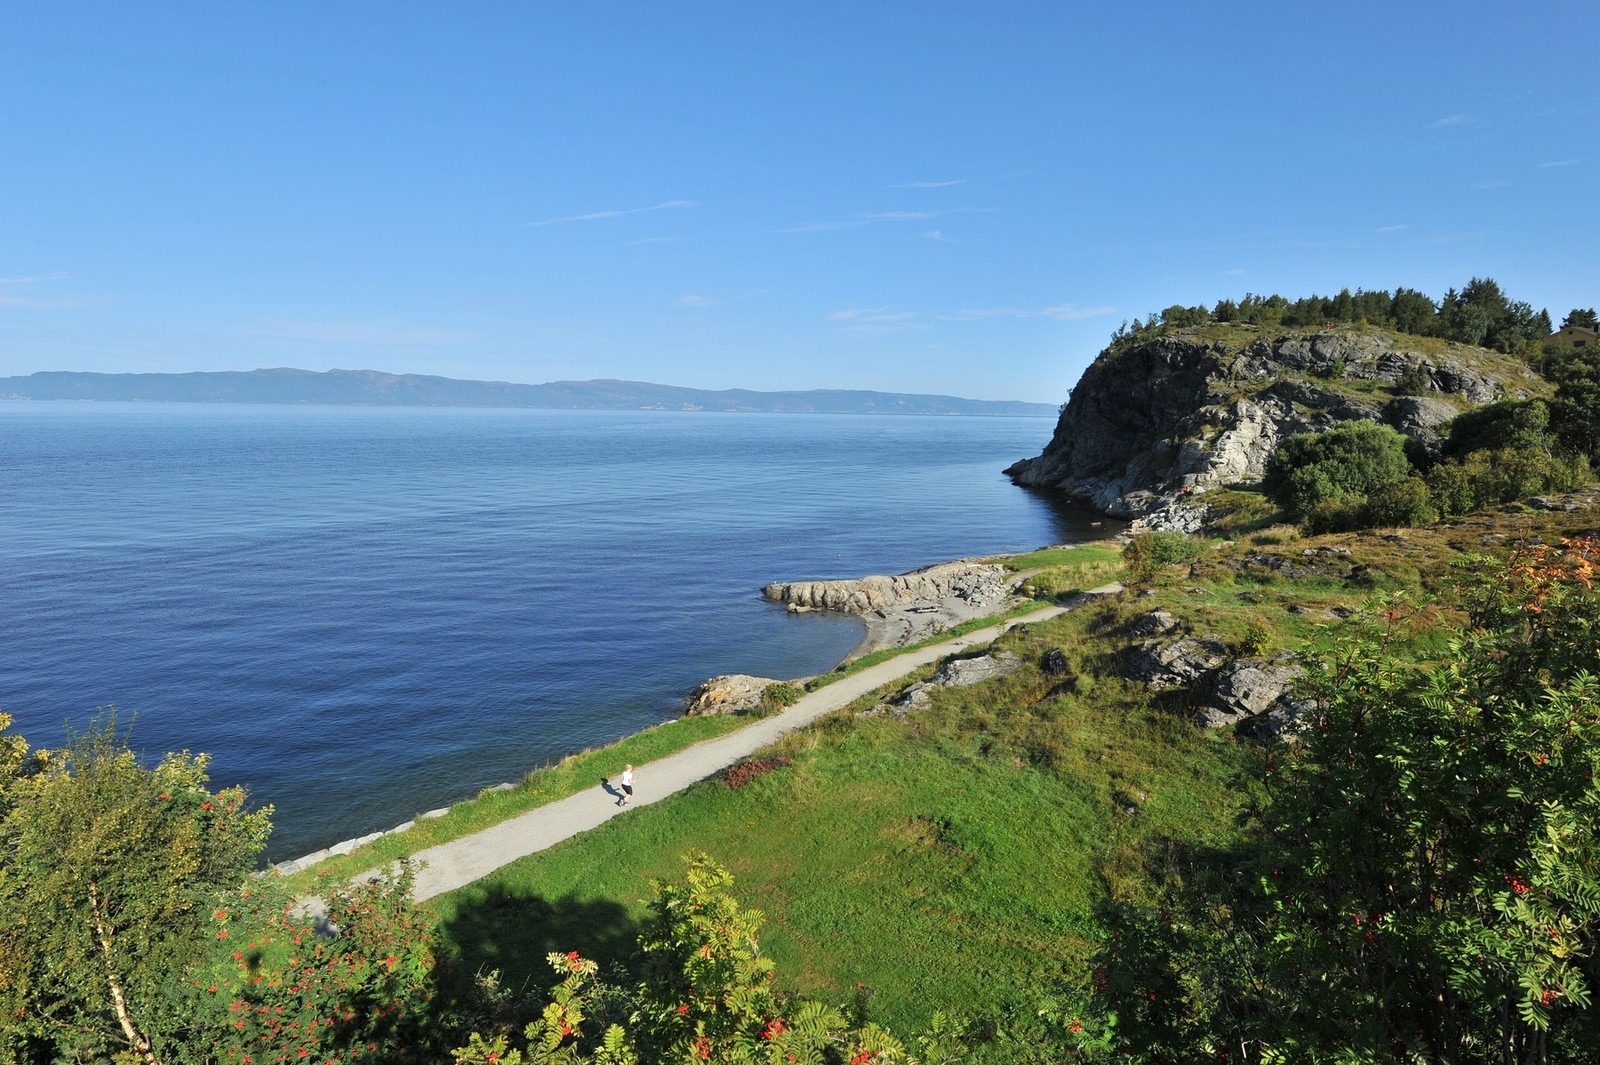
(1284, 720)
(957, 673)
(1160, 665)
(1152, 624)
(1419, 417)
(975, 584)
(1246, 689)
(733, 693)
(961, 672)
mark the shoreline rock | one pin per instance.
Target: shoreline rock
(730, 693)
(908, 607)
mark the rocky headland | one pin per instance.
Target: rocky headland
(1155, 423)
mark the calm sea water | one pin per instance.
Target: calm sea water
(365, 613)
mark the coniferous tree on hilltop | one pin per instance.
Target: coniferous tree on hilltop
(1584, 318)
(1480, 314)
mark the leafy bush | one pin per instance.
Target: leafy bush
(1258, 640)
(1414, 380)
(108, 875)
(1349, 460)
(1502, 475)
(1400, 503)
(1452, 489)
(707, 994)
(775, 697)
(131, 930)
(1335, 515)
(1147, 552)
(1523, 424)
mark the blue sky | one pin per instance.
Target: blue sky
(958, 198)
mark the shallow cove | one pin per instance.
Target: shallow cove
(362, 613)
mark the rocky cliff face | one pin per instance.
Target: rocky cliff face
(1153, 422)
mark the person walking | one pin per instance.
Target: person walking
(627, 786)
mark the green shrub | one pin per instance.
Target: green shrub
(1452, 489)
(1502, 475)
(1414, 380)
(1349, 460)
(1148, 552)
(1258, 641)
(1335, 515)
(1400, 503)
(775, 697)
(1523, 424)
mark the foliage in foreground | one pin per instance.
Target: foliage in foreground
(132, 930)
(706, 994)
(1423, 884)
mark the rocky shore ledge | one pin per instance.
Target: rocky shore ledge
(904, 609)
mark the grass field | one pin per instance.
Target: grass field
(953, 859)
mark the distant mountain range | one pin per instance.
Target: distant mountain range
(375, 388)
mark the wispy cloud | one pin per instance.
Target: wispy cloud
(934, 234)
(1560, 162)
(595, 216)
(689, 299)
(1392, 229)
(928, 184)
(1452, 120)
(870, 314)
(650, 240)
(1064, 312)
(34, 280)
(822, 227)
(8, 299)
(17, 291)
(876, 321)
(873, 217)
(365, 333)
(1491, 183)
(1235, 272)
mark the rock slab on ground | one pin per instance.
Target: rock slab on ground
(956, 673)
(978, 583)
(908, 608)
(732, 693)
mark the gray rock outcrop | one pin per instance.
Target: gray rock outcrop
(1246, 689)
(957, 673)
(732, 693)
(1256, 694)
(974, 583)
(1159, 665)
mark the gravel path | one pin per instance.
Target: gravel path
(460, 862)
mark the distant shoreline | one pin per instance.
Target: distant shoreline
(376, 388)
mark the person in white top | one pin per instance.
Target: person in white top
(627, 786)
